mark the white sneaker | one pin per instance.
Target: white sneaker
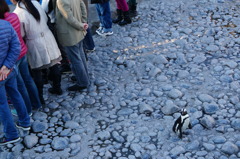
(99, 30)
(107, 33)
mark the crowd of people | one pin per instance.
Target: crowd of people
(41, 40)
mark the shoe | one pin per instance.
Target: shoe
(55, 91)
(126, 19)
(4, 141)
(76, 88)
(88, 51)
(14, 112)
(65, 69)
(23, 127)
(99, 30)
(119, 16)
(105, 33)
(73, 78)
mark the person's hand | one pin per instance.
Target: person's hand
(85, 26)
(4, 71)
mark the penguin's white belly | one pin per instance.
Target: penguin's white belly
(185, 124)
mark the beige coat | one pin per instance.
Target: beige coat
(70, 16)
(43, 50)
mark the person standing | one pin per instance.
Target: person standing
(104, 14)
(123, 17)
(43, 51)
(26, 85)
(71, 24)
(9, 52)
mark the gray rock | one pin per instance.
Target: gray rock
(199, 59)
(135, 147)
(30, 141)
(145, 108)
(169, 108)
(45, 141)
(231, 64)
(117, 137)
(65, 132)
(219, 139)
(125, 111)
(181, 60)
(40, 116)
(160, 59)
(59, 143)
(75, 138)
(154, 72)
(183, 74)
(230, 148)
(210, 108)
(205, 98)
(175, 93)
(177, 151)
(104, 135)
(208, 122)
(145, 92)
(212, 48)
(71, 125)
(193, 146)
(209, 147)
(234, 100)
(53, 105)
(236, 124)
(39, 126)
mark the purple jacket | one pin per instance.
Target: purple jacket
(9, 44)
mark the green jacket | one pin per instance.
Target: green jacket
(70, 16)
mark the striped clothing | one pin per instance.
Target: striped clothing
(13, 19)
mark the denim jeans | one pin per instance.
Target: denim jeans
(104, 14)
(88, 43)
(26, 86)
(78, 62)
(9, 86)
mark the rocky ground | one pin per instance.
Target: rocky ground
(176, 54)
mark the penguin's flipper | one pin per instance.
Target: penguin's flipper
(190, 126)
(177, 122)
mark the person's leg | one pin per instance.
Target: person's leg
(10, 130)
(132, 4)
(29, 83)
(78, 63)
(107, 21)
(23, 90)
(88, 42)
(122, 4)
(17, 100)
(56, 79)
(38, 79)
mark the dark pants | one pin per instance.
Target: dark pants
(88, 43)
(54, 75)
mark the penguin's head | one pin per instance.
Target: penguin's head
(183, 111)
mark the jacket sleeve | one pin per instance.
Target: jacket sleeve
(84, 12)
(14, 50)
(66, 12)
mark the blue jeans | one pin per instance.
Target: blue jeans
(78, 62)
(104, 14)
(88, 42)
(26, 86)
(9, 86)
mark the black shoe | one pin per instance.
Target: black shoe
(76, 88)
(65, 69)
(126, 19)
(55, 91)
(73, 78)
(119, 18)
(4, 141)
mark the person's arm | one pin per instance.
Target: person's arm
(65, 10)
(11, 58)
(84, 12)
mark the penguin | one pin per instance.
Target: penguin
(182, 123)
